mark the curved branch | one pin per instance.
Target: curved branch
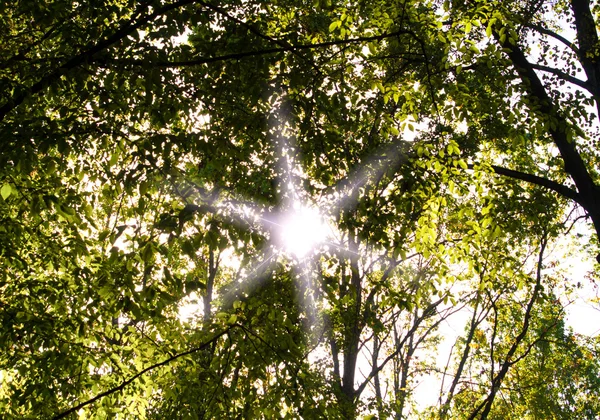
(554, 35)
(574, 164)
(87, 55)
(142, 372)
(246, 54)
(565, 76)
(242, 23)
(253, 29)
(537, 180)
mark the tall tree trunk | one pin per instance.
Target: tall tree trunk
(574, 164)
(352, 331)
(587, 38)
(402, 393)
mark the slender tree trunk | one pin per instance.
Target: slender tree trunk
(486, 405)
(377, 380)
(210, 283)
(463, 360)
(405, 365)
(352, 331)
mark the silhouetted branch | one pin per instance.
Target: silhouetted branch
(247, 54)
(123, 384)
(565, 76)
(87, 55)
(508, 361)
(554, 35)
(537, 180)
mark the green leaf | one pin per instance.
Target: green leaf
(5, 191)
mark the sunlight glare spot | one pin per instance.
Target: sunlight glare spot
(302, 230)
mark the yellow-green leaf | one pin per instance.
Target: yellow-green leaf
(5, 191)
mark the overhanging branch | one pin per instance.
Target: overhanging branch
(123, 384)
(247, 54)
(573, 162)
(537, 180)
(554, 35)
(565, 76)
(87, 55)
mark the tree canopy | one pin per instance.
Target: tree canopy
(153, 152)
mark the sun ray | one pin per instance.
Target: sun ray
(344, 194)
(341, 247)
(308, 295)
(251, 278)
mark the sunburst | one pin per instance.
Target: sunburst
(301, 228)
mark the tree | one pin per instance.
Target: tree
(150, 148)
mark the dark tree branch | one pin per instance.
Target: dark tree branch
(588, 191)
(537, 180)
(247, 54)
(574, 164)
(87, 55)
(554, 35)
(253, 29)
(486, 404)
(123, 384)
(566, 77)
(587, 37)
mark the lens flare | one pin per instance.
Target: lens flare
(301, 230)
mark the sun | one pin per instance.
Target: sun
(300, 225)
(301, 230)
